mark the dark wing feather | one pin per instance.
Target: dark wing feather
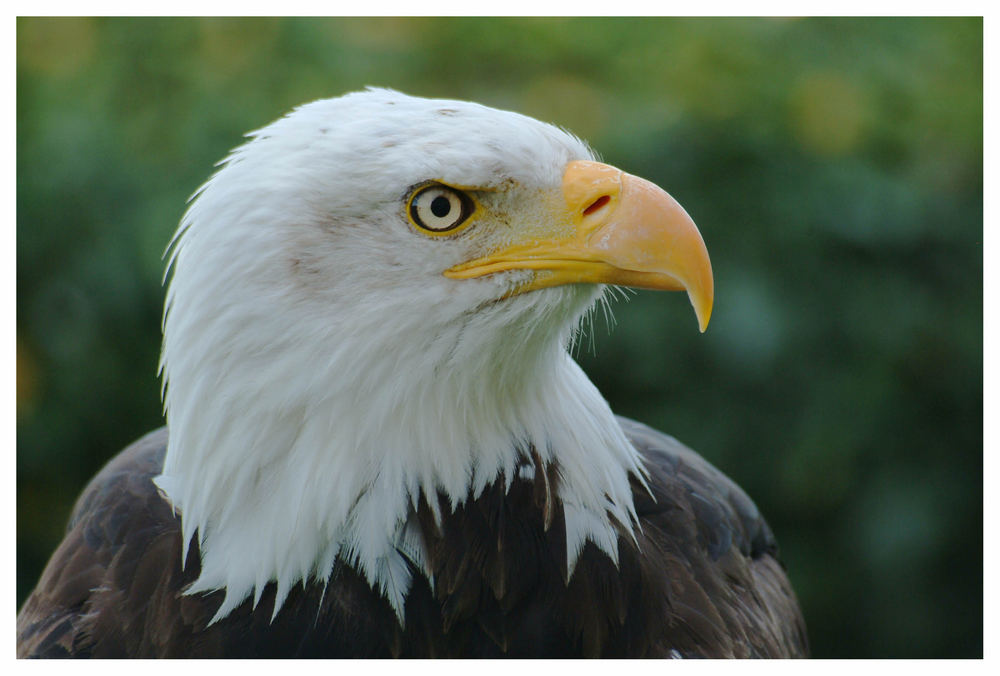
(116, 570)
(705, 536)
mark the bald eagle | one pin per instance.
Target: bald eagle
(377, 443)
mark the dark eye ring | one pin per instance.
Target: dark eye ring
(439, 209)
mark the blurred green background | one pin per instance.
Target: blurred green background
(834, 167)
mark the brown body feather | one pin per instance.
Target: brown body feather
(700, 580)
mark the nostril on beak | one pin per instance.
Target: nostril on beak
(596, 205)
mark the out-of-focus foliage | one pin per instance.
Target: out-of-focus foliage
(833, 165)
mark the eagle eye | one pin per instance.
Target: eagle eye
(439, 209)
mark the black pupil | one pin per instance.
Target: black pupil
(440, 206)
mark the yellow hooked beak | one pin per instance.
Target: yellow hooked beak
(623, 230)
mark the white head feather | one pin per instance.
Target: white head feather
(320, 372)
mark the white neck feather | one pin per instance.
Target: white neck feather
(300, 460)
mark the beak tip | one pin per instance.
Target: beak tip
(703, 311)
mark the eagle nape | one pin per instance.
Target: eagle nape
(377, 443)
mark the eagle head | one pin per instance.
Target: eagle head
(370, 303)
